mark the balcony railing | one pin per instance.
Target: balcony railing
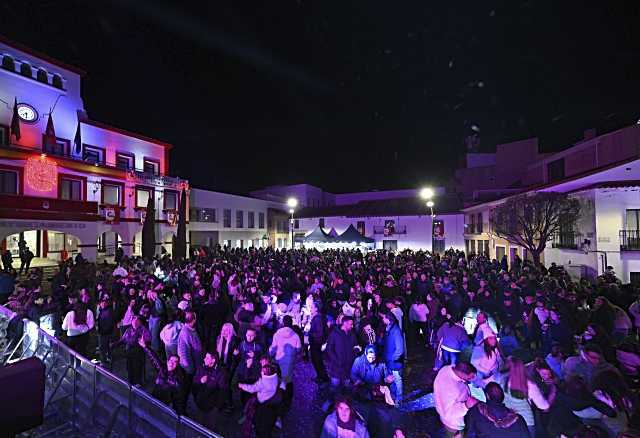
(629, 240)
(475, 228)
(398, 229)
(567, 240)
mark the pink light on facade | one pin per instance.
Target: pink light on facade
(41, 173)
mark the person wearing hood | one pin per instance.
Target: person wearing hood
(370, 377)
(393, 343)
(285, 348)
(264, 408)
(493, 418)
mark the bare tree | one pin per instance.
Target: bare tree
(531, 220)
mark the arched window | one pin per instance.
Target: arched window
(8, 63)
(42, 76)
(25, 70)
(57, 81)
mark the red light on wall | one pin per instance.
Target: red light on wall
(41, 173)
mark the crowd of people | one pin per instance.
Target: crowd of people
(518, 350)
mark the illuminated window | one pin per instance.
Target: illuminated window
(251, 219)
(70, 189)
(60, 147)
(142, 196)
(226, 218)
(111, 194)
(25, 70)
(93, 154)
(124, 161)
(170, 200)
(8, 182)
(239, 219)
(8, 63)
(151, 167)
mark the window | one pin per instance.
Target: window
(555, 170)
(60, 148)
(479, 224)
(8, 182)
(251, 219)
(472, 246)
(360, 226)
(111, 194)
(124, 161)
(152, 167)
(8, 63)
(239, 219)
(4, 135)
(170, 200)
(296, 224)
(260, 220)
(634, 278)
(142, 196)
(57, 81)
(42, 76)
(25, 70)
(226, 218)
(93, 154)
(203, 215)
(71, 189)
(633, 220)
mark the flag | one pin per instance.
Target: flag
(50, 133)
(15, 120)
(77, 141)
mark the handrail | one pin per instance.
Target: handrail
(57, 386)
(112, 420)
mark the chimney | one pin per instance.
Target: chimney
(589, 134)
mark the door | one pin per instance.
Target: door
(500, 252)
(390, 245)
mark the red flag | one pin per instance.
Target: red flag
(50, 133)
(15, 120)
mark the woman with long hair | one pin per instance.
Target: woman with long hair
(343, 422)
(487, 358)
(78, 323)
(520, 392)
(609, 387)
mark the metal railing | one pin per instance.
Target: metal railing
(629, 240)
(80, 396)
(567, 240)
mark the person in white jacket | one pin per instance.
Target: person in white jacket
(266, 408)
(285, 349)
(452, 396)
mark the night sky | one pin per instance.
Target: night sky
(347, 95)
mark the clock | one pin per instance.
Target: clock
(27, 113)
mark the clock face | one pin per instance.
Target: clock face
(27, 113)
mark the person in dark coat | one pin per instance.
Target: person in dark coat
(318, 335)
(493, 419)
(210, 384)
(341, 352)
(134, 353)
(106, 329)
(247, 358)
(170, 385)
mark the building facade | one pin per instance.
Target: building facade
(70, 184)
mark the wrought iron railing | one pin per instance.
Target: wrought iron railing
(567, 240)
(629, 240)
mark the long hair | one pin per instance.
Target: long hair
(611, 383)
(80, 313)
(517, 383)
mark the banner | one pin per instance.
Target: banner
(438, 230)
(172, 218)
(389, 227)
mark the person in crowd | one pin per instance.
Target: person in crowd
(370, 377)
(521, 393)
(393, 345)
(610, 388)
(493, 419)
(106, 329)
(189, 347)
(340, 353)
(133, 351)
(318, 336)
(285, 349)
(209, 387)
(226, 344)
(170, 383)
(247, 357)
(78, 322)
(452, 339)
(487, 358)
(452, 396)
(263, 410)
(344, 422)
(170, 333)
(586, 364)
(419, 317)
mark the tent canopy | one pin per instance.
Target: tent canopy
(352, 235)
(332, 233)
(317, 235)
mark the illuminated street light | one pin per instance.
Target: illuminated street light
(430, 204)
(426, 193)
(292, 203)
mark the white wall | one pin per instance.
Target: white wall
(611, 206)
(419, 229)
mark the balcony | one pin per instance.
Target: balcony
(33, 207)
(567, 240)
(398, 229)
(629, 240)
(475, 228)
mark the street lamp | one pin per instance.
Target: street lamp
(292, 203)
(426, 194)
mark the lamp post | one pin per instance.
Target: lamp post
(427, 195)
(292, 203)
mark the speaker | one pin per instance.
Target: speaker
(21, 396)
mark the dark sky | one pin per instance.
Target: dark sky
(348, 95)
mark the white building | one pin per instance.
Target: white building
(84, 187)
(225, 219)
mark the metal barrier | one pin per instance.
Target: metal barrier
(80, 396)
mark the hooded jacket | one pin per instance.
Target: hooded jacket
(493, 419)
(285, 347)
